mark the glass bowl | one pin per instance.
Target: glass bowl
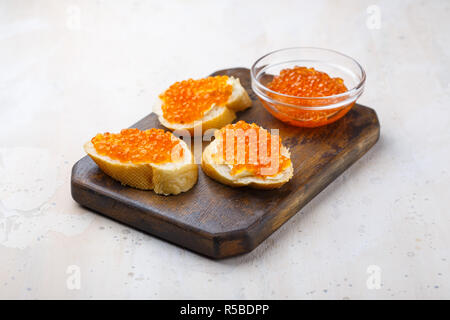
(308, 111)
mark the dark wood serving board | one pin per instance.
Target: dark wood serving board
(216, 220)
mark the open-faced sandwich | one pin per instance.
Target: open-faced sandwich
(245, 154)
(204, 103)
(150, 160)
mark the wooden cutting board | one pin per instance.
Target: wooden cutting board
(218, 221)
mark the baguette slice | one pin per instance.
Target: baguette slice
(217, 116)
(166, 178)
(221, 172)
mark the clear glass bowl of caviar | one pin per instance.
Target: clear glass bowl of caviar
(307, 87)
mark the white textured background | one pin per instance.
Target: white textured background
(70, 69)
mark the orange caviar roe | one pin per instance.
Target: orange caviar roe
(252, 158)
(307, 83)
(188, 100)
(150, 146)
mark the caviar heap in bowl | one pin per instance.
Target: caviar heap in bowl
(307, 87)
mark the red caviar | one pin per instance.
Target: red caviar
(307, 83)
(188, 100)
(251, 149)
(150, 146)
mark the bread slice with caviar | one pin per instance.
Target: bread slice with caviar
(245, 154)
(205, 103)
(149, 160)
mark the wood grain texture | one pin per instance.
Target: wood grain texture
(218, 221)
